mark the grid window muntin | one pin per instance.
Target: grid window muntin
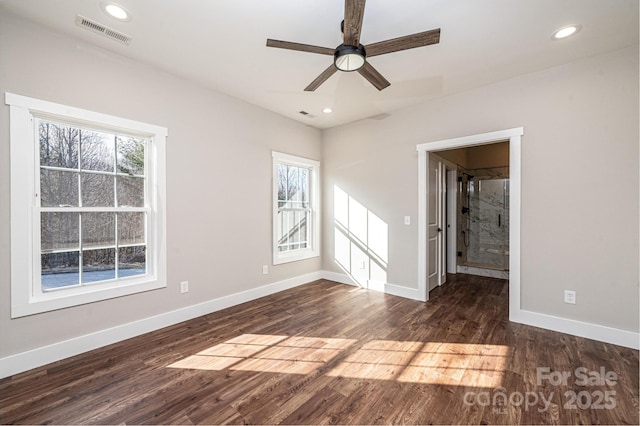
(295, 208)
(27, 297)
(81, 171)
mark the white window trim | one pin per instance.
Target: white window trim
(25, 227)
(314, 200)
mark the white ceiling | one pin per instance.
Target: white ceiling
(221, 44)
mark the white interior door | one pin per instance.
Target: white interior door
(434, 222)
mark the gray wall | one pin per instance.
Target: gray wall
(218, 177)
(579, 180)
(579, 171)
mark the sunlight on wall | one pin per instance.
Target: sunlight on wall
(267, 353)
(457, 364)
(361, 241)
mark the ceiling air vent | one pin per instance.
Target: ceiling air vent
(306, 114)
(94, 26)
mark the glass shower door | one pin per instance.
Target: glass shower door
(488, 224)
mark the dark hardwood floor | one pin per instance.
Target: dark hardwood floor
(326, 353)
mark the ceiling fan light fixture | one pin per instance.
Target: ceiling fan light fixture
(349, 58)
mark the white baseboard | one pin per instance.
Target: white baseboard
(24, 361)
(396, 290)
(339, 278)
(616, 336)
(406, 292)
(27, 360)
(628, 339)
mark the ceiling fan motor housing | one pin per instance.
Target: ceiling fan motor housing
(349, 58)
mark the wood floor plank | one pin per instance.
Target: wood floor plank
(325, 353)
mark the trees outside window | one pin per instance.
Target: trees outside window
(92, 205)
(87, 209)
(295, 213)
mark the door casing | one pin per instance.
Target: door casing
(514, 136)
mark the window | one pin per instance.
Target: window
(87, 209)
(295, 208)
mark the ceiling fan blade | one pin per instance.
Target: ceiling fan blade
(299, 46)
(353, 15)
(373, 76)
(321, 78)
(403, 43)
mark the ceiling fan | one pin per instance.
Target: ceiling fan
(351, 55)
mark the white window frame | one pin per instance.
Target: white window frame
(313, 248)
(26, 295)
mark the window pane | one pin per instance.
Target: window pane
(97, 151)
(98, 229)
(58, 145)
(282, 185)
(130, 156)
(98, 265)
(59, 231)
(292, 231)
(302, 228)
(130, 191)
(58, 189)
(132, 261)
(59, 270)
(283, 219)
(97, 190)
(293, 186)
(304, 187)
(292, 182)
(287, 228)
(131, 228)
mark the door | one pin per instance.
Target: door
(489, 224)
(435, 216)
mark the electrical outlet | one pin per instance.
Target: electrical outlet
(184, 287)
(570, 297)
(265, 269)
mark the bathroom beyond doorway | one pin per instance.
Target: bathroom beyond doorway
(477, 209)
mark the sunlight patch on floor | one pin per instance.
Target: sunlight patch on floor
(457, 364)
(267, 353)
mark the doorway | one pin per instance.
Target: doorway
(425, 258)
(479, 201)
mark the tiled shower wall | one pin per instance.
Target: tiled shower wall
(483, 230)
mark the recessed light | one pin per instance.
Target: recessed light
(327, 110)
(115, 11)
(565, 32)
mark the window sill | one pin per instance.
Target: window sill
(294, 257)
(64, 299)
